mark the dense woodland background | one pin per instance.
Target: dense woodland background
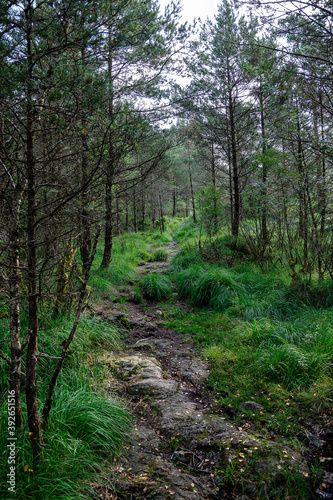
(96, 137)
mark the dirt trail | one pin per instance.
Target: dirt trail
(182, 445)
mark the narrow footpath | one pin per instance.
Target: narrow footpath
(182, 445)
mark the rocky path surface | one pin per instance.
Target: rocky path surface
(182, 445)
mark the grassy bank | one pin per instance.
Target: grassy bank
(268, 339)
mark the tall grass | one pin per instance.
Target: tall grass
(296, 353)
(127, 251)
(160, 255)
(156, 286)
(86, 429)
(285, 334)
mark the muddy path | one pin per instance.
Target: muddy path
(183, 444)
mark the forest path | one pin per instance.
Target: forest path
(182, 446)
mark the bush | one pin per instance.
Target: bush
(187, 279)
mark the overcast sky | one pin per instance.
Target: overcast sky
(195, 8)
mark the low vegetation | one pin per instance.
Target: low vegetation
(268, 339)
(86, 428)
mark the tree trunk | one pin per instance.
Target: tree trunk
(85, 239)
(174, 196)
(302, 187)
(14, 314)
(264, 230)
(109, 172)
(135, 220)
(191, 183)
(108, 241)
(214, 185)
(231, 190)
(66, 344)
(31, 364)
(162, 215)
(235, 173)
(118, 215)
(323, 172)
(126, 211)
(143, 204)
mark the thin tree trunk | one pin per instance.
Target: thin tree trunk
(323, 172)
(153, 206)
(214, 185)
(143, 204)
(303, 211)
(161, 212)
(230, 185)
(85, 240)
(264, 230)
(191, 183)
(67, 343)
(235, 172)
(118, 216)
(135, 220)
(108, 242)
(31, 364)
(14, 312)
(174, 196)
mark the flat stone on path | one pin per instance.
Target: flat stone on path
(193, 370)
(144, 376)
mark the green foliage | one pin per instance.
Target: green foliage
(156, 286)
(86, 429)
(187, 256)
(159, 256)
(187, 230)
(128, 250)
(164, 237)
(263, 335)
(210, 210)
(208, 286)
(295, 353)
(90, 417)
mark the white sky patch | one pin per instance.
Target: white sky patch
(195, 9)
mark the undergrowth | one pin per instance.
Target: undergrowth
(86, 428)
(156, 286)
(268, 339)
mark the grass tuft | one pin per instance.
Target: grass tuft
(156, 286)
(160, 255)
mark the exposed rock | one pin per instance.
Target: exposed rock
(139, 367)
(181, 418)
(119, 317)
(145, 377)
(137, 323)
(252, 406)
(193, 370)
(153, 387)
(159, 479)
